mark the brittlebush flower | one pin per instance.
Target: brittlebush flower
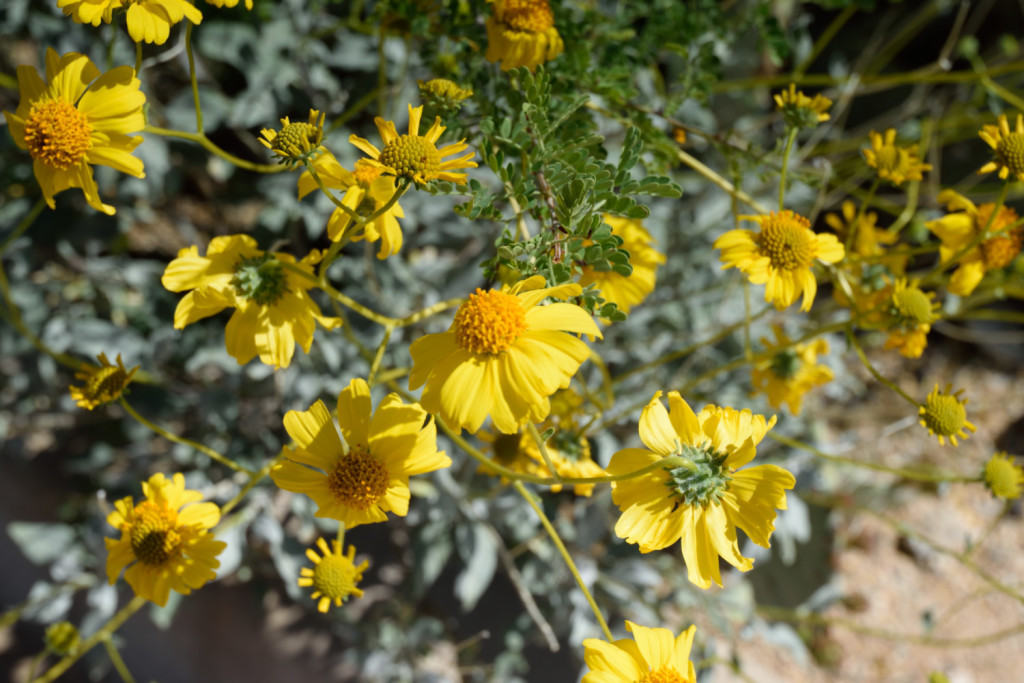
(944, 416)
(895, 164)
(503, 356)
(415, 157)
(103, 383)
(567, 448)
(963, 226)
(1003, 477)
(911, 312)
(654, 655)
(273, 309)
(334, 577)
(366, 191)
(522, 33)
(1007, 148)
(229, 3)
(148, 21)
(296, 143)
(801, 111)
(780, 256)
(868, 239)
(75, 118)
(360, 481)
(701, 496)
(443, 95)
(165, 538)
(627, 291)
(790, 371)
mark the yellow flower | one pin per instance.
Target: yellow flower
(700, 496)
(868, 239)
(801, 111)
(944, 416)
(367, 477)
(366, 190)
(103, 384)
(273, 309)
(75, 118)
(503, 356)
(962, 227)
(148, 20)
(334, 576)
(790, 371)
(628, 291)
(443, 94)
(780, 256)
(296, 143)
(653, 656)
(1003, 477)
(912, 312)
(62, 638)
(414, 156)
(568, 448)
(170, 547)
(1007, 148)
(229, 3)
(522, 33)
(895, 164)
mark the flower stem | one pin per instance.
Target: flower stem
(117, 661)
(171, 436)
(790, 139)
(192, 78)
(871, 368)
(254, 479)
(24, 225)
(377, 357)
(209, 146)
(557, 540)
(89, 643)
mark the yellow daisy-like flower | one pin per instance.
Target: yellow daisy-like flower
(628, 291)
(366, 191)
(503, 356)
(700, 496)
(296, 143)
(868, 239)
(801, 111)
(654, 655)
(229, 3)
(273, 309)
(912, 312)
(1003, 477)
(790, 371)
(148, 20)
(334, 576)
(780, 256)
(416, 157)
(165, 538)
(443, 94)
(75, 118)
(1007, 148)
(895, 164)
(568, 448)
(103, 383)
(367, 477)
(944, 416)
(522, 33)
(960, 228)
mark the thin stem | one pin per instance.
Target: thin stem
(542, 447)
(89, 643)
(824, 39)
(138, 58)
(721, 182)
(566, 557)
(24, 225)
(13, 316)
(115, 659)
(209, 146)
(871, 368)
(377, 357)
(171, 436)
(192, 78)
(254, 478)
(790, 139)
(341, 534)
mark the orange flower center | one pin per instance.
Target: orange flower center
(489, 322)
(998, 251)
(154, 533)
(413, 157)
(57, 134)
(787, 240)
(533, 16)
(359, 480)
(666, 674)
(1010, 150)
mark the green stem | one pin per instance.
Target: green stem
(192, 78)
(24, 225)
(824, 39)
(209, 146)
(718, 180)
(13, 316)
(542, 447)
(852, 338)
(341, 535)
(377, 357)
(790, 139)
(254, 478)
(115, 659)
(89, 643)
(171, 436)
(566, 557)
